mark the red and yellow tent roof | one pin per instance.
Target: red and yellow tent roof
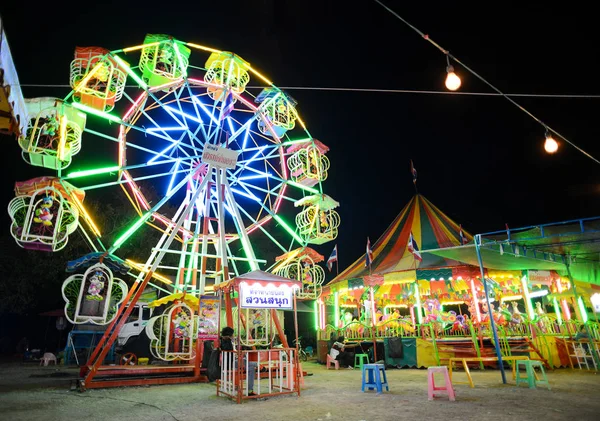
(431, 229)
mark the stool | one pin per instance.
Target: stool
(332, 361)
(530, 375)
(372, 377)
(432, 388)
(360, 359)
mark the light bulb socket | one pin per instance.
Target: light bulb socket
(450, 69)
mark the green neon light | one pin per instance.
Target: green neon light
(582, 309)
(182, 69)
(126, 67)
(316, 315)
(248, 252)
(557, 311)
(336, 304)
(303, 187)
(292, 142)
(418, 304)
(288, 229)
(86, 173)
(131, 231)
(90, 110)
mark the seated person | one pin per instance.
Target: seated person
(582, 334)
(338, 353)
(227, 345)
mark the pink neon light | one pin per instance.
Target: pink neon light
(135, 190)
(563, 302)
(475, 301)
(258, 224)
(135, 104)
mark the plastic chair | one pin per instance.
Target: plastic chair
(360, 360)
(309, 351)
(530, 377)
(432, 388)
(332, 361)
(373, 377)
(48, 356)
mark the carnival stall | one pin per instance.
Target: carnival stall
(421, 291)
(257, 296)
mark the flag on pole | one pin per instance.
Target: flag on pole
(413, 248)
(463, 239)
(413, 171)
(228, 104)
(332, 258)
(368, 254)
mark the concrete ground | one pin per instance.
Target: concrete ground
(30, 392)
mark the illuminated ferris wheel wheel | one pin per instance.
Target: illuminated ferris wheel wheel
(224, 161)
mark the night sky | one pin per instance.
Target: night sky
(479, 159)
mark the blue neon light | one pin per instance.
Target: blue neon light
(212, 117)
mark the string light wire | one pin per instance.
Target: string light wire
(498, 91)
(378, 90)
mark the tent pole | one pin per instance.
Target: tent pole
(487, 299)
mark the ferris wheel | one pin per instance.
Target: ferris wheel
(180, 118)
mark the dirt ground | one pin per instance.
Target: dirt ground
(43, 393)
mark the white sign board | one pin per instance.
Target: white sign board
(258, 296)
(219, 157)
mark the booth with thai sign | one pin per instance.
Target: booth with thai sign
(251, 304)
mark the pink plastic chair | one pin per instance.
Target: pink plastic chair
(48, 356)
(332, 361)
(432, 388)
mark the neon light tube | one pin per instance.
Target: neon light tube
(201, 105)
(130, 72)
(86, 173)
(175, 167)
(303, 187)
(527, 298)
(90, 110)
(582, 309)
(288, 229)
(62, 138)
(557, 311)
(131, 230)
(139, 47)
(418, 303)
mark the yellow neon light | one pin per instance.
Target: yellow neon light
(286, 261)
(87, 77)
(452, 302)
(86, 216)
(300, 121)
(139, 47)
(511, 297)
(62, 138)
(139, 267)
(201, 47)
(264, 79)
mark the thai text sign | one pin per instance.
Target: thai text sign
(219, 157)
(259, 296)
(539, 277)
(208, 317)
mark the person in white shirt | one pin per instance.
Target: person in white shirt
(337, 352)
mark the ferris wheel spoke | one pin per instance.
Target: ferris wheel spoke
(253, 220)
(140, 221)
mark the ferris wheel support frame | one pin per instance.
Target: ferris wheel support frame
(124, 312)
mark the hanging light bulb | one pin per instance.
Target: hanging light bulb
(452, 80)
(550, 145)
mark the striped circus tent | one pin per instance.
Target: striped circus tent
(392, 260)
